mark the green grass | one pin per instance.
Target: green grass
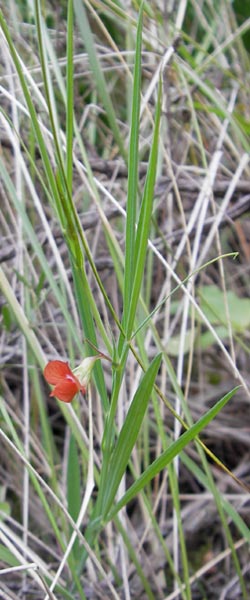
(125, 147)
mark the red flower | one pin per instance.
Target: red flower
(67, 385)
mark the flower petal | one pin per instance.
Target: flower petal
(65, 390)
(56, 370)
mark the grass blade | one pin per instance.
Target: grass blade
(70, 96)
(129, 433)
(143, 228)
(167, 456)
(133, 162)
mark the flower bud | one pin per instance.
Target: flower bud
(84, 371)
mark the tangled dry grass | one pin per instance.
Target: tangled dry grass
(201, 212)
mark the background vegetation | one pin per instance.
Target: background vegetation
(124, 174)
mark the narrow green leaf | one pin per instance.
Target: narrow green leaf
(70, 95)
(73, 485)
(133, 161)
(7, 557)
(162, 461)
(129, 433)
(73, 480)
(142, 235)
(49, 89)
